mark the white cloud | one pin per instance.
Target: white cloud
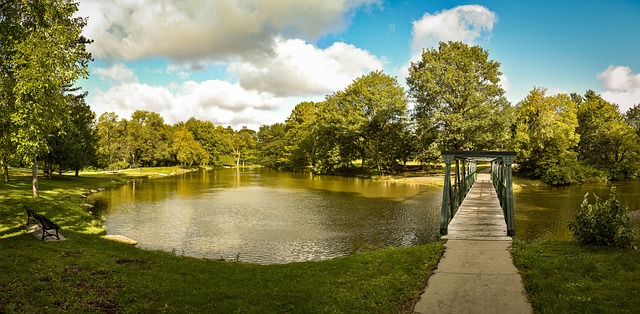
(117, 72)
(299, 68)
(467, 23)
(218, 101)
(622, 86)
(204, 29)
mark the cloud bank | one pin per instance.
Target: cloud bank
(204, 29)
(298, 68)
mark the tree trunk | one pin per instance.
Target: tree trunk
(5, 168)
(76, 172)
(34, 176)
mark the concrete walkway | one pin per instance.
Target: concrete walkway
(476, 273)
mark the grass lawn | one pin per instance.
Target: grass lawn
(87, 273)
(566, 277)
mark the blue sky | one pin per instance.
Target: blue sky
(247, 63)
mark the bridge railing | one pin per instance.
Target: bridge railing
(457, 193)
(502, 181)
(453, 193)
(501, 191)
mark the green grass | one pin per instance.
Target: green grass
(87, 273)
(566, 277)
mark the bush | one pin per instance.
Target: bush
(570, 173)
(602, 223)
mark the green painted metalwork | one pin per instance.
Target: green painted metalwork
(501, 175)
(452, 195)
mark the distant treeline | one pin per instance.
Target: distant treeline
(457, 104)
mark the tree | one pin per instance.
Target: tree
(272, 146)
(300, 134)
(187, 150)
(607, 141)
(147, 139)
(111, 138)
(243, 144)
(365, 121)
(75, 146)
(43, 52)
(545, 132)
(203, 133)
(459, 103)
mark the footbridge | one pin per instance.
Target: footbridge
(477, 209)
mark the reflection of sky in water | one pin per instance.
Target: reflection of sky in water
(272, 217)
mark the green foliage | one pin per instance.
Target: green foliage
(571, 172)
(147, 139)
(459, 103)
(602, 223)
(366, 121)
(271, 146)
(74, 147)
(607, 141)
(243, 144)
(46, 53)
(300, 138)
(187, 150)
(545, 136)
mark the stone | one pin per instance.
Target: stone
(121, 239)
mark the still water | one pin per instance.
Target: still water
(543, 212)
(264, 216)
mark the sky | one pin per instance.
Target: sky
(250, 62)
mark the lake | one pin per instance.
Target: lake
(264, 216)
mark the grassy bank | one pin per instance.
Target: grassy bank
(87, 273)
(565, 277)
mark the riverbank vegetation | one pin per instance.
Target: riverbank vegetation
(87, 273)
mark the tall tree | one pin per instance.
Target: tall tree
(187, 150)
(243, 144)
(75, 145)
(364, 121)
(111, 142)
(300, 134)
(459, 103)
(607, 141)
(545, 132)
(271, 146)
(147, 136)
(44, 51)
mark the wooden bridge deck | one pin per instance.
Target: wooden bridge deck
(479, 216)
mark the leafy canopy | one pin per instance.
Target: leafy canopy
(459, 103)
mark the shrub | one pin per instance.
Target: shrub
(570, 173)
(602, 223)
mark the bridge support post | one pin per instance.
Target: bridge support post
(446, 195)
(508, 182)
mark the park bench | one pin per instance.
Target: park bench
(44, 223)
